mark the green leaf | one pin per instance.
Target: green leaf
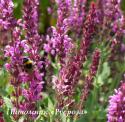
(63, 117)
(7, 117)
(50, 106)
(3, 77)
(9, 89)
(7, 102)
(103, 76)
